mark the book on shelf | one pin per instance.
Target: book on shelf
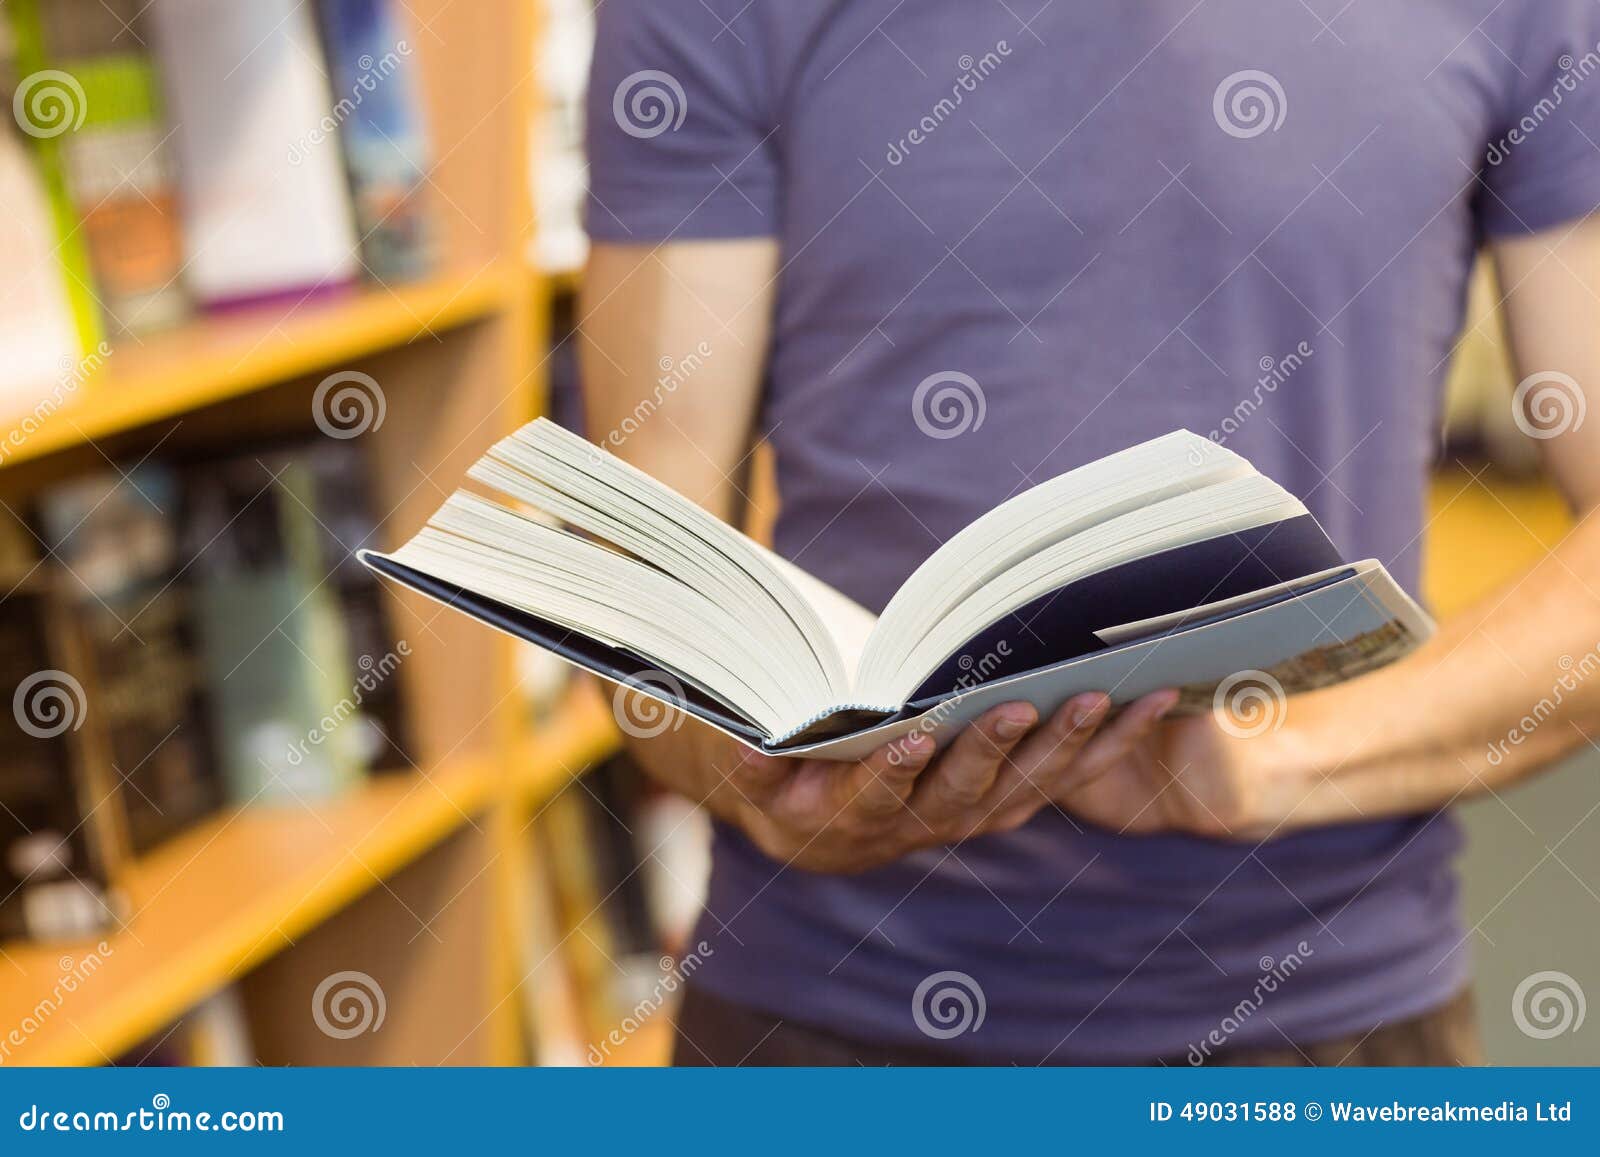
(385, 143)
(266, 211)
(116, 170)
(343, 510)
(1171, 564)
(45, 104)
(59, 846)
(38, 329)
(114, 538)
(275, 656)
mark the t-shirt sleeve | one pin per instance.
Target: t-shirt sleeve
(1543, 165)
(678, 124)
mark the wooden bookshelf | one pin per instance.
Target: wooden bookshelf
(210, 360)
(410, 876)
(233, 892)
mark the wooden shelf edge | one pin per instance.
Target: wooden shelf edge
(333, 855)
(216, 359)
(403, 817)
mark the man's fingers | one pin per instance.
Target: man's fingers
(754, 775)
(882, 782)
(963, 774)
(1117, 740)
(1050, 751)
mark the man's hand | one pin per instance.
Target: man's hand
(831, 816)
(1196, 777)
(994, 777)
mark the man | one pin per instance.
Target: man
(1099, 223)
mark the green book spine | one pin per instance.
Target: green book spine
(53, 106)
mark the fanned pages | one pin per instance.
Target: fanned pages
(1177, 546)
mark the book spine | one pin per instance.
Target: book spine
(120, 184)
(382, 135)
(52, 105)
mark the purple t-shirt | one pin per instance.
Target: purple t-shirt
(1113, 220)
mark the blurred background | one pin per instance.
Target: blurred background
(271, 276)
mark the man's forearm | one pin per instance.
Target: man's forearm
(1502, 691)
(687, 760)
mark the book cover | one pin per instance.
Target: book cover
(118, 170)
(378, 107)
(265, 208)
(51, 104)
(115, 539)
(58, 846)
(272, 644)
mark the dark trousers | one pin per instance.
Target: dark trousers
(714, 1032)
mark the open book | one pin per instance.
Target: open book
(1169, 564)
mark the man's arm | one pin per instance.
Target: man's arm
(1450, 721)
(692, 430)
(1453, 719)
